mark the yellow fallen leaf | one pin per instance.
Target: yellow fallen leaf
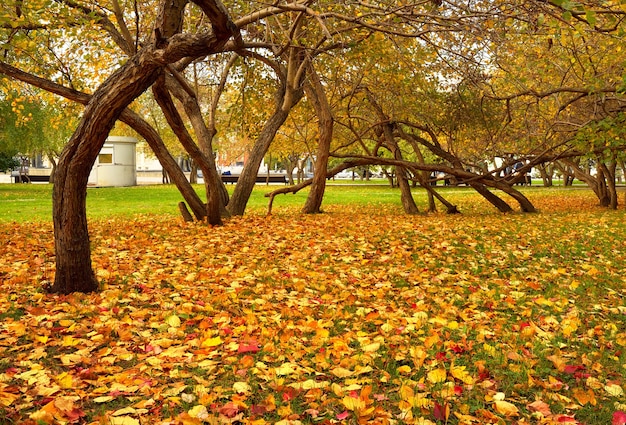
(437, 375)
(505, 408)
(461, 374)
(199, 411)
(585, 397)
(285, 369)
(212, 342)
(173, 321)
(353, 403)
(123, 420)
(242, 388)
(124, 411)
(309, 384)
(6, 399)
(371, 348)
(404, 369)
(614, 390)
(65, 380)
(341, 372)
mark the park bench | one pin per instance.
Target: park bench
(272, 178)
(26, 178)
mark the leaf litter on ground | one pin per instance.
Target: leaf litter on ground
(353, 316)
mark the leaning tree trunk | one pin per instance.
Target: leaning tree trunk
(493, 199)
(408, 203)
(204, 135)
(596, 183)
(247, 179)
(315, 91)
(406, 197)
(168, 162)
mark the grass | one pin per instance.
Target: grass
(25, 203)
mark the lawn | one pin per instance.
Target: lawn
(358, 315)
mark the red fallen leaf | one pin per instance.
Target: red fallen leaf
(457, 349)
(567, 419)
(619, 418)
(258, 409)
(458, 390)
(74, 415)
(441, 412)
(249, 347)
(289, 394)
(573, 368)
(484, 375)
(343, 415)
(229, 410)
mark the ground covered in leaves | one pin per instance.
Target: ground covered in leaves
(364, 316)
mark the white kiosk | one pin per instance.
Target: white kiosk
(116, 163)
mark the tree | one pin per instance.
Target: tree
(74, 271)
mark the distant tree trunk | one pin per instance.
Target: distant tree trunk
(546, 173)
(53, 161)
(386, 133)
(316, 93)
(609, 174)
(193, 172)
(597, 183)
(292, 161)
(408, 203)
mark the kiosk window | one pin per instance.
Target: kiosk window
(105, 158)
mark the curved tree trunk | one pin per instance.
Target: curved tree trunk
(170, 166)
(596, 183)
(408, 203)
(609, 175)
(316, 93)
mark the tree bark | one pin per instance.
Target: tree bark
(73, 254)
